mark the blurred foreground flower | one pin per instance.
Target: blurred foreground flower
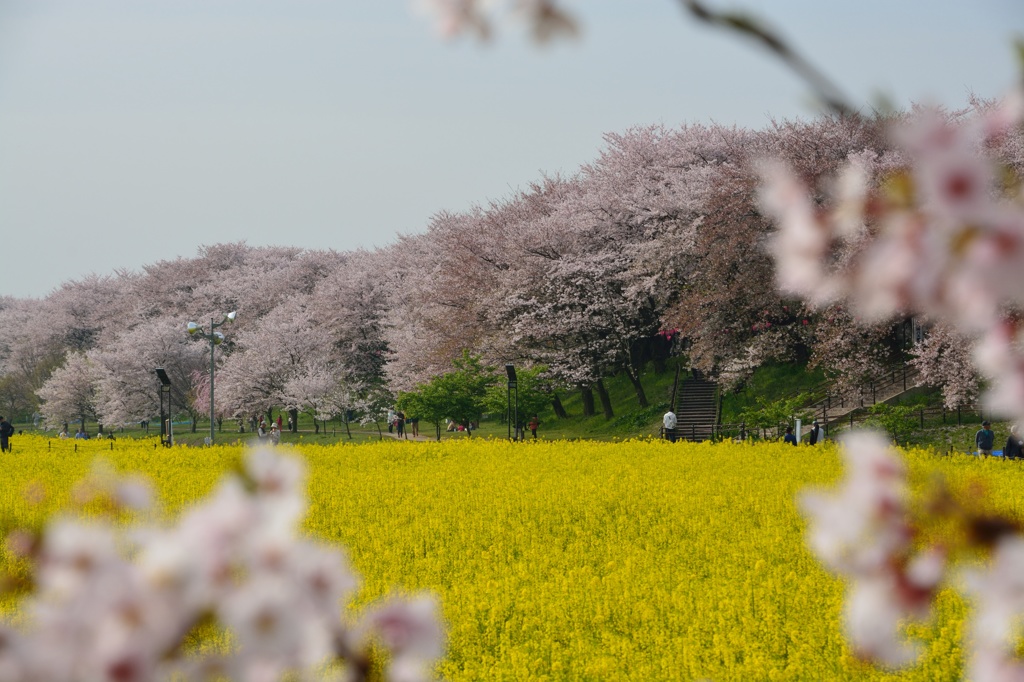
(895, 553)
(862, 533)
(118, 605)
(936, 231)
(546, 18)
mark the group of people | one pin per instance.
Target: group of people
(273, 435)
(397, 422)
(813, 435)
(985, 440)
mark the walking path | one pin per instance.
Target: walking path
(407, 436)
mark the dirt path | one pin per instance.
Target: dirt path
(408, 436)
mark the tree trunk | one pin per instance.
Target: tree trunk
(587, 394)
(438, 425)
(316, 427)
(556, 404)
(634, 379)
(194, 423)
(659, 355)
(294, 414)
(347, 431)
(606, 402)
(99, 428)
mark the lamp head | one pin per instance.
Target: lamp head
(218, 338)
(193, 327)
(230, 317)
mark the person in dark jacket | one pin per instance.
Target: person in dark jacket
(1014, 448)
(815, 433)
(6, 431)
(789, 437)
(985, 439)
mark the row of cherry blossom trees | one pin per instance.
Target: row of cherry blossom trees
(662, 236)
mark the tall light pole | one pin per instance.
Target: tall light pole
(166, 438)
(513, 385)
(215, 338)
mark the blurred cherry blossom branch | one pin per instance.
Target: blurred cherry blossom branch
(746, 24)
(119, 604)
(546, 19)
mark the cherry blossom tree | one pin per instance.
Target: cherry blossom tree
(353, 303)
(317, 390)
(126, 389)
(70, 392)
(284, 345)
(852, 351)
(944, 359)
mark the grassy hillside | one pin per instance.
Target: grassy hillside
(772, 381)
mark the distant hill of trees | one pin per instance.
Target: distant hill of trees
(657, 246)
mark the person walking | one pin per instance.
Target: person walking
(534, 423)
(814, 433)
(400, 424)
(6, 431)
(789, 437)
(984, 439)
(669, 425)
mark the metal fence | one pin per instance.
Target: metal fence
(968, 414)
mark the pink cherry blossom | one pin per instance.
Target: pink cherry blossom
(99, 615)
(862, 532)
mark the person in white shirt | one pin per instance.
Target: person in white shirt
(669, 422)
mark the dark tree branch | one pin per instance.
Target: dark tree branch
(827, 91)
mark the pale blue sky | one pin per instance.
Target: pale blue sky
(132, 130)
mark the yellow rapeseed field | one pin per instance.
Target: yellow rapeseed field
(560, 560)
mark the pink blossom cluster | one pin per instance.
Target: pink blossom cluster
(862, 533)
(546, 18)
(938, 236)
(937, 232)
(998, 595)
(117, 605)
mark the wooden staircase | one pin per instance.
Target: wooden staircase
(831, 406)
(696, 406)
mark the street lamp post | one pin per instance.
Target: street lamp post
(215, 338)
(513, 385)
(166, 438)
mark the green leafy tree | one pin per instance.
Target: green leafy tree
(16, 398)
(459, 395)
(898, 420)
(774, 414)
